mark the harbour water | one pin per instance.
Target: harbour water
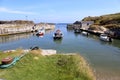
(103, 57)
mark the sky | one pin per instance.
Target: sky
(56, 11)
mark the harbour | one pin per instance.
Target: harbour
(102, 56)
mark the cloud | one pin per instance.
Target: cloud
(2, 9)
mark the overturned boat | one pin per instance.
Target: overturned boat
(9, 61)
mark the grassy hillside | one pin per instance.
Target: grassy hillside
(109, 21)
(34, 66)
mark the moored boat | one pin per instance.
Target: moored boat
(41, 32)
(84, 33)
(105, 37)
(77, 31)
(58, 34)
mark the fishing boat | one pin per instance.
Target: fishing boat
(9, 61)
(58, 34)
(105, 37)
(41, 32)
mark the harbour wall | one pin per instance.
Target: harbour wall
(6, 29)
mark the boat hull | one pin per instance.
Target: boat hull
(2, 66)
(106, 38)
(10, 64)
(7, 60)
(57, 37)
(85, 33)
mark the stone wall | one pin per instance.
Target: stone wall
(45, 25)
(14, 28)
(20, 28)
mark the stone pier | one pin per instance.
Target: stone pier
(6, 29)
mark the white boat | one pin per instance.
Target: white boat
(77, 31)
(84, 33)
(105, 37)
(41, 32)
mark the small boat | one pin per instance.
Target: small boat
(77, 31)
(58, 34)
(84, 33)
(6, 64)
(41, 32)
(9, 61)
(105, 37)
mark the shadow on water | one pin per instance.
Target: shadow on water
(57, 41)
(14, 37)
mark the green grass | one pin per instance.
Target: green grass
(109, 20)
(55, 67)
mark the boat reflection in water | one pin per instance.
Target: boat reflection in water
(58, 41)
(15, 37)
(40, 36)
